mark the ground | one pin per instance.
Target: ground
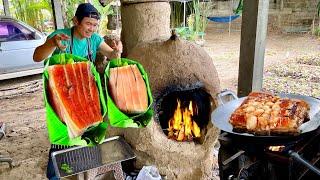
(280, 49)
(22, 106)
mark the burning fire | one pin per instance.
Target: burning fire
(181, 125)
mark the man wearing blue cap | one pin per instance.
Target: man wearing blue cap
(81, 40)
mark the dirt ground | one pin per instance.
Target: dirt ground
(280, 48)
(22, 107)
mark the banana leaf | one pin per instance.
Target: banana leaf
(116, 117)
(57, 130)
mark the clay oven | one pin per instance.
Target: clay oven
(180, 139)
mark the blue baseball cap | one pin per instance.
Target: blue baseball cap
(87, 10)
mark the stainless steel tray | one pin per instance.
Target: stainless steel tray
(75, 160)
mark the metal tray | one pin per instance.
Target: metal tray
(79, 159)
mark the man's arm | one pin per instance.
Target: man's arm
(111, 53)
(43, 51)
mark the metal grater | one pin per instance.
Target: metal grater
(75, 160)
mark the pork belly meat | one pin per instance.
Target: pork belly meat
(265, 114)
(74, 96)
(128, 89)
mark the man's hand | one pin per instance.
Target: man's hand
(43, 51)
(56, 41)
(117, 47)
(111, 47)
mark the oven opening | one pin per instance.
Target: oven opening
(184, 115)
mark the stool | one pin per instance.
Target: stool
(3, 134)
(2, 130)
(116, 167)
(6, 159)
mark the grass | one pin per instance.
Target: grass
(298, 76)
(297, 71)
(309, 60)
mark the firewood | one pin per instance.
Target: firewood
(181, 134)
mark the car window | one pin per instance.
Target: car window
(12, 31)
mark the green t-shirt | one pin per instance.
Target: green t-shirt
(80, 47)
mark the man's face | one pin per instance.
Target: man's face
(87, 27)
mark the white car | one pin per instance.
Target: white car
(17, 44)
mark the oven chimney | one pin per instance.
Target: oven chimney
(144, 20)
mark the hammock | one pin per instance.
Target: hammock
(223, 19)
(228, 19)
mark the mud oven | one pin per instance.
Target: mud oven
(180, 139)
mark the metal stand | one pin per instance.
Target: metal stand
(94, 160)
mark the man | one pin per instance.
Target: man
(81, 40)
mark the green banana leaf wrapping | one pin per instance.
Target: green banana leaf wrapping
(116, 117)
(58, 132)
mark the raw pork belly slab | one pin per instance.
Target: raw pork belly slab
(74, 96)
(128, 89)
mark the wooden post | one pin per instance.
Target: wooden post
(6, 7)
(252, 47)
(57, 14)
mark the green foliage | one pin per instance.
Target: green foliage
(239, 8)
(69, 7)
(185, 33)
(38, 13)
(1, 10)
(66, 167)
(104, 11)
(176, 17)
(32, 12)
(317, 31)
(197, 21)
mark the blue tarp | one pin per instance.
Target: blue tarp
(223, 19)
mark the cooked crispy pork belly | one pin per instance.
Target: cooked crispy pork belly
(266, 114)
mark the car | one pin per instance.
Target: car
(17, 44)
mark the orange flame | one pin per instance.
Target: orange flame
(181, 125)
